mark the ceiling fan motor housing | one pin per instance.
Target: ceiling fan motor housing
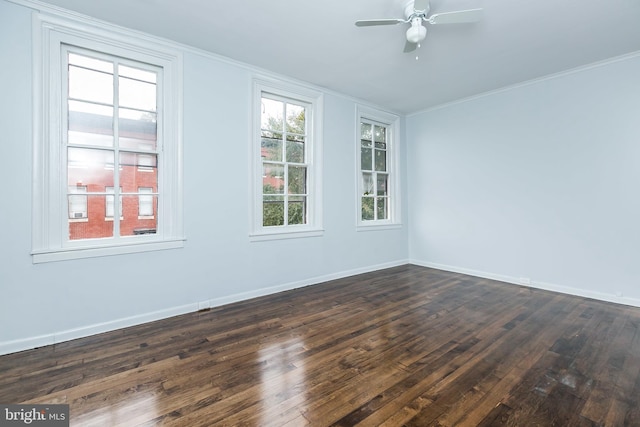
(417, 32)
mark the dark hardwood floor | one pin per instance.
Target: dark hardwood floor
(403, 346)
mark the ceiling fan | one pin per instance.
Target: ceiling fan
(416, 13)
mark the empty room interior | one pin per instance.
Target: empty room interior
(330, 213)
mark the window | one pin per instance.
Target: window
(77, 202)
(145, 203)
(377, 181)
(287, 162)
(110, 206)
(107, 128)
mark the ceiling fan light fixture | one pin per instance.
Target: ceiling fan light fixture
(417, 32)
(416, 12)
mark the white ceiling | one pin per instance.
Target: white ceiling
(317, 41)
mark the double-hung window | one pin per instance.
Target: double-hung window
(377, 147)
(107, 140)
(287, 162)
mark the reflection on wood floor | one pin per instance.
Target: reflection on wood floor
(403, 346)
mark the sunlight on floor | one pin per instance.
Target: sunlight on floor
(283, 380)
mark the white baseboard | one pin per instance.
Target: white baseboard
(7, 347)
(602, 296)
(14, 346)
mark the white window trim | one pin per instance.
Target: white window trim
(392, 122)
(313, 228)
(49, 241)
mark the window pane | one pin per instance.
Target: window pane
(95, 227)
(137, 144)
(144, 116)
(92, 63)
(90, 85)
(295, 119)
(273, 211)
(367, 208)
(138, 170)
(89, 167)
(271, 116)
(271, 146)
(295, 149)
(381, 160)
(90, 124)
(138, 74)
(297, 210)
(297, 180)
(272, 178)
(366, 158)
(146, 162)
(137, 94)
(381, 187)
(382, 208)
(134, 224)
(365, 134)
(94, 139)
(367, 184)
(380, 137)
(137, 129)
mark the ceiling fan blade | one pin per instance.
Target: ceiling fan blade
(421, 5)
(372, 22)
(458, 17)
(410, 47)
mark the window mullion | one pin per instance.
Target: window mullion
(286, 165)
(116, 154)
(286, 194)
(374, 193)
(63, 146)
(374, 174)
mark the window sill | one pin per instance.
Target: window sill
(378, 227)
(80, 253)
(73, 220)
(281, 235)
(110, 218)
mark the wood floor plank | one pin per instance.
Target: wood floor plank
(403, 346)
(513, 369)
(512, 356)
(605, 372)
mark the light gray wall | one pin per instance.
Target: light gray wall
(538, 182)
(56, 301)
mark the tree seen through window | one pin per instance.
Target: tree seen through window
(284, 163)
